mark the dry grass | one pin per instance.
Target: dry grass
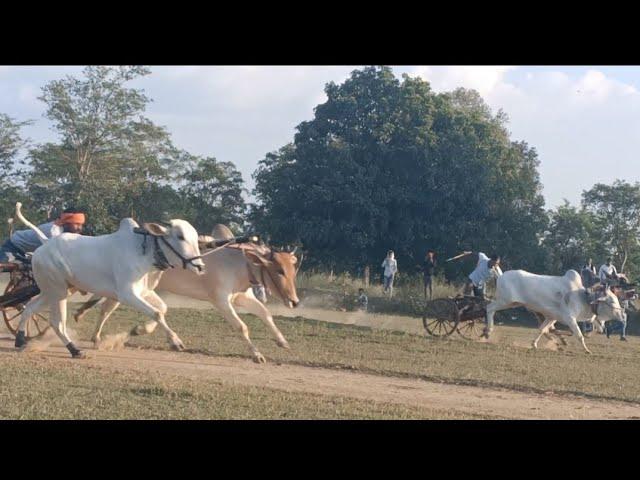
(48, 390)
(505, 362)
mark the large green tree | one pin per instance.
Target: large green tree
(109, 153)
(618, 208)
(11, 144)
(387, 163)
(573, 236)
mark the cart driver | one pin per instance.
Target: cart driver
(485, 269)
(26, 241)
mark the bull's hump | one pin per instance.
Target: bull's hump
(128, 224)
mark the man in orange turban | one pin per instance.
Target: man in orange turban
(26, 241)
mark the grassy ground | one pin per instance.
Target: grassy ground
(611, 373)
(77, 391)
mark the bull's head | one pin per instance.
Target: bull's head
(281, 272)
(608, 307)
(180, 241)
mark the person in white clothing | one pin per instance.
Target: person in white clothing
(486, 268)
(390, 266)
(607, 272)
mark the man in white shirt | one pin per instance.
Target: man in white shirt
(27, 241)
(486, 268)
(607, 272)
(390, 266)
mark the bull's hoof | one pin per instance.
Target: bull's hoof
(77, 317)
(258, 358)
(79, 354)
(177, 345)
(284, 344)
(588, 352)
(75, 352)
(623, 339)
(21, 340)
(534, 345)
(134, 331)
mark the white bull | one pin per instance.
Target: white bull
(115, 266)
(227, 283)
(561, 299)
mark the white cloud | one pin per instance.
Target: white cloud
(483, 78)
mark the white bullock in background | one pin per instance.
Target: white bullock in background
(562, 299)
(115, 266)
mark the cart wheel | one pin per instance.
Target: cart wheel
(440, 317)
(471, 329)
(36, 326)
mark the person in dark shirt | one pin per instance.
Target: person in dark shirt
(428, 269)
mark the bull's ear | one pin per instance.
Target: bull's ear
(155, 229)
(257, 259)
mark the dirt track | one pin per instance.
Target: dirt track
(466, 399)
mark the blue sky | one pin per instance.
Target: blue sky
(583, 121)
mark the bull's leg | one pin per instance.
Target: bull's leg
(252, 305)
(34, 306)
(58, 321)
(80, 313)
(155, 312)
(544, 330)
(492, 308)
(236, 322)
(108, 307)
(575, 329)
(151, 326)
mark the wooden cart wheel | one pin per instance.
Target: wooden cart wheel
(36, 326)
(440, 317)
(471, 329)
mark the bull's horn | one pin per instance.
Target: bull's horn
(294, 250)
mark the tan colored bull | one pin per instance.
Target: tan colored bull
(230, 273)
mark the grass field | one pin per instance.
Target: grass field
(47, 390)
(610, 373)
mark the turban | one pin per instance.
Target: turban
(71, 218)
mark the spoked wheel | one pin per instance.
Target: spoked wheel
(440, 317)
(471, 329)
(36, 326)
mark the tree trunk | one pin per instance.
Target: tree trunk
(624, 262)
(366, 276)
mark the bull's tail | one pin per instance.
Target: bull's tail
(43, 238)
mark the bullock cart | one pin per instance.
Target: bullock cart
(19, 290)
(464, 314)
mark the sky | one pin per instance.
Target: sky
(584, 121)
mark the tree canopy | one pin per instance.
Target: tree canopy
(389, 164)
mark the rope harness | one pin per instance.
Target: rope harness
(160, 260)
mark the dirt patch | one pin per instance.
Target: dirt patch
(323, 381)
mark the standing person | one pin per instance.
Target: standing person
(390, 266)
(27, 241)
(589, 275)
(607, 272)
(428, 269)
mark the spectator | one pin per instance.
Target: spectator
(363, 301)
(589, 275)
(428, 268)
(607, 272)
(617, 325)
(390, 266)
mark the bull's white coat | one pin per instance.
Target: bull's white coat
(557, 298)
(112, 266)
